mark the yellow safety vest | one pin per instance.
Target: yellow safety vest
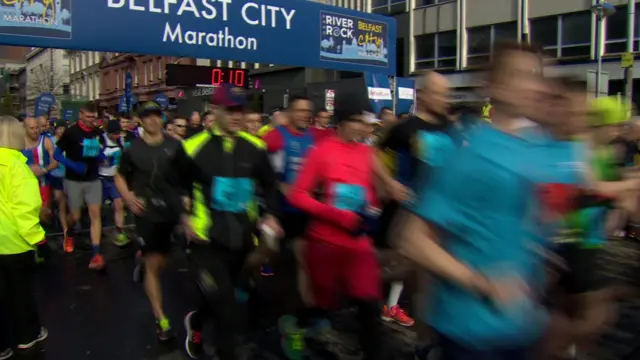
(486, 112)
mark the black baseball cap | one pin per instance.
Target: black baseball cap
(60, 123)
(149, 108)
(113, 127)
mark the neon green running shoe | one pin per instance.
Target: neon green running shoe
(292, 342)
(121, 239)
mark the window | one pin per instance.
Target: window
(117, 79)
(421, 3)
(481, 40)
(564, 36)
(388, 7)
(616, 31)
(478, 46)
(160, 69)
(576, 35)
(436, 51)
(544, 31)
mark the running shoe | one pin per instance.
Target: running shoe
(293, 337)
(4, 355)
(163, 330)
(97, 263)
(396, 314)
(41, 336)
(193, 341)
(121, 239)
(69, 243)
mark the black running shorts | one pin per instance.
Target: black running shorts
(294, 224)
(583, 274)
(154, 237)
(389, 211)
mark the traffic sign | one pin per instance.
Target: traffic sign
(627, 60)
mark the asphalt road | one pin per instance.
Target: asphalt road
(106, 316)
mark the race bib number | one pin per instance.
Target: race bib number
(349, 197)
(232, 194)
(90, 148)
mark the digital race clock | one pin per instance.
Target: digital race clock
(193, 75)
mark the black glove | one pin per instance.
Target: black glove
(369, 221)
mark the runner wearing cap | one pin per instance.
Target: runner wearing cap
(114, 144)
(339, 254)
(229, 168)
(148, 177)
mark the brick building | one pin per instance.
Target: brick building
(147, 72)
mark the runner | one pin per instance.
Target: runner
(39, 151)
(126, 135)
(82, 145)
(114, 145)
(339, 256)
(401, 156)
(223, 220)
(181, 128)
(208, 119)
(478, 206)
(252, 122)
(194, 125)
(276, 118)
(321, 125)
(148, 177)
(56, 180)
(44, 126)
(288, 146)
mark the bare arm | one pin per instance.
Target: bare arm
(420, 243)
(48, 145)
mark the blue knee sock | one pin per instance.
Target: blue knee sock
(95, 250)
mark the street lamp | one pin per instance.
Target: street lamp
(601, 9)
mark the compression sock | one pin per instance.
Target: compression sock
(394, 293)
(95, 250)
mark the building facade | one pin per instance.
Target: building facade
(147, 72)
(47, 70)
(458, 36)
(84, 77)
(13, 85)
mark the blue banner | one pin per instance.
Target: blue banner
(405, 95)
(162, 100)
(286, 32)
(378, 91)
(44, 103)
(68, 115)
(123, 105)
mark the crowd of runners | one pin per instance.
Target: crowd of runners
(498, 223)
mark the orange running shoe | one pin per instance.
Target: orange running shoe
(396, 314)
(68, 244)
(97, 263)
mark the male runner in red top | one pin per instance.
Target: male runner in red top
(340, 257)
(321, 122)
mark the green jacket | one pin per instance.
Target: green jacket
(20, 205)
